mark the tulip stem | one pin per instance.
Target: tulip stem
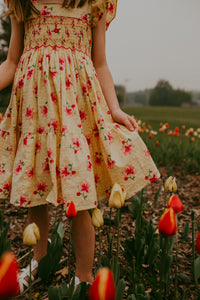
(110, 220)
(99, 246)
(193, 252)
(30, 274)
(118, 221)
(176, 260)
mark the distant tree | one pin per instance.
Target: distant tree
(161, 94)
(121, 93)
(4, 44)
(164, 95)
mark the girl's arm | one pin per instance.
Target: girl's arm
(8, 67)
(105, 77)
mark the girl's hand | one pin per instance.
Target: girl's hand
(122, 118)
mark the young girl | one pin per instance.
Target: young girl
(64, 137)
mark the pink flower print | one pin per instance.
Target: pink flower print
(5, 189)
(35, 89)
(69, 59)
(37, 147)
(29, 113)
(48, 56)
(84, 189)
(89, 165)
(117, 126)
(30, 173)
(127, 146)
(151, 178)
(53, 74)
(49, 32)
(67, 33)
(25, 140)
(88, 140)
(49, 153)
(24, 199)
(96, 178)
(64, 129)
(147, 153)
(99, 98)
(77, 76)
(111, 8)
(40, 189)
(54, 98)
(40, 63)
(67, 172)
(84, 17)
(29, 74)
(98, 158)
(69, 110)
(46, 166)
(84, 89)
(44, 11)
(9, 149)
(44, 110)
(96, 131)
(77, 145)
(62, 63)
(82, 115)
(21, 83)
(68, 82)
(53, 124)
(56, 29)
(89, 84)
(108, 112)
(110, 162)
(18, 168)
(101, 123)
(109, 137)
(129, 172)
(60, 200)
(40, 129)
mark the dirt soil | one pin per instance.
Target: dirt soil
(189, 192)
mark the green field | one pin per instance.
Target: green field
(175, 116)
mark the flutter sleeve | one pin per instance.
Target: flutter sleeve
(99, 7)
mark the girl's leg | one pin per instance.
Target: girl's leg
(40, 216)
(83, 235)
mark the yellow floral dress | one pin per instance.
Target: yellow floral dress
(58, 141)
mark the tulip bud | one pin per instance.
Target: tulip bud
(71, 211)
(9, 284)
(103, 287)
(167, 224)
(198, 242)
(31, 235)
(97, 217)
(170, 184)
(117, 197)
(175, 203)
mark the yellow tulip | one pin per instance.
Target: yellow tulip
(97, 217)
(31, 235)
(117, 197)
(170, 184)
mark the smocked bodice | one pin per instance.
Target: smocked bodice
(59, 28)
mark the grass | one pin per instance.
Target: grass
(175, 116)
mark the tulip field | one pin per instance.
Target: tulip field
(147, 247)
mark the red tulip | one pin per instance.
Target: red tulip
(71, 211)
(198, 242)
(167, 224)
(175, 203)
(9, 285)
(103, 287)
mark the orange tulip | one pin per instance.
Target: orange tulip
(183, 127)
(71, 211)
(175, 203)
(9, 285)
(103, 287)
(198, 242)
(170, 133)
(157, 143)
(167, 224)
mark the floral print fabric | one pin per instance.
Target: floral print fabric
(58, 142)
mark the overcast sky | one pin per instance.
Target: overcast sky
(153, 39)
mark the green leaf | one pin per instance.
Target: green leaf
(115, 268)
(186, 231)
(197, 269)
(120, 289)
(156, 197)
(183, 277)
(53, 293)
(81, 291)
(131, 297)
